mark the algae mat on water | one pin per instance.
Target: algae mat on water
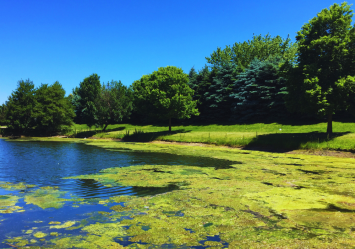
(263, 200)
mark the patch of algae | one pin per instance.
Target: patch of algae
(269, 200)
(15, 186)
(64, 225)
(265, 200)
(40, 235)
(8, 204)
(46, 197)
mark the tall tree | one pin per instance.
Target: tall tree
(115, 102)
(259, 92)
(84, 99)
(217, 94)
(52, 109)
(262, 48)
(21, 103)
(165, 94)
(322, 80)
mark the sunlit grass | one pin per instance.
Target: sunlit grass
(274, 135)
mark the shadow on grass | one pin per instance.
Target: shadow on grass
(141, 136)
(283, 142)
(90, 133)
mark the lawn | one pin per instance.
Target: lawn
(273, 135)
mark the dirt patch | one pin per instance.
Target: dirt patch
(333, 153)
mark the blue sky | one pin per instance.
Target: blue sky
(66, 41)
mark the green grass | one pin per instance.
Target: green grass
(272, 136)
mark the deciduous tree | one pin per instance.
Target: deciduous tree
(323, 78)
(52, 110)
(115, 102)
(165, 94)
(84, 98)
(21, 103)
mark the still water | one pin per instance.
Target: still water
(47, 163)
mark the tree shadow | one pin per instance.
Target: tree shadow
(141, 136)
(284, 142)
(89, 132)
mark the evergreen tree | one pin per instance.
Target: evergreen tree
(217, 96)
(3, 111)
(258, 93)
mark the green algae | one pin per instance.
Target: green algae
(264, 200)
(270, 200)
(46, 197)
(15, 186)
(64, 225)
(8, 204)
(40, 235)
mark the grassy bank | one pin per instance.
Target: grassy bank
(272, 136)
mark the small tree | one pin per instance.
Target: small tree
(115, 102)
(19, 116)
(52, 109)
(322, 80)
(165, 94)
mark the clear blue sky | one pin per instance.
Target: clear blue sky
(66, 41)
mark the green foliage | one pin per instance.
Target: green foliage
(165, 94)
(84, 99)
(3, 110)
(114, 102)
(52, 109)
(21, 103)
(322, 80)
(258, 93)
(217, 95)
(262, 48)
(200, 82)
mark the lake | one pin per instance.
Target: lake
(45, 164)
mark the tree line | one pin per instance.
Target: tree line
(265, 78)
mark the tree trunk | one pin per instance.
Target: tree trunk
(104, 129)
(330, 125)
(169, 124)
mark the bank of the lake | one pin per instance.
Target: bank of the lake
(258, 199)
(266, 136)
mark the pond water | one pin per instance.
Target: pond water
(45, 164)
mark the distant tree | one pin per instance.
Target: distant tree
(3, 111)
(165, 94)
(84, 98)
(322, 80)
(114, 102)
(262, 48)
(259, 92)
(19, 116)
(52, 109)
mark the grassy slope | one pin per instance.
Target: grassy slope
(274, 135)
